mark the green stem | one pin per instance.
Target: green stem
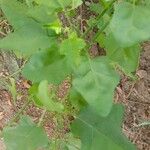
(98, 18)
(100, 31)
(19, 112)
(18, 71)
(68, 18)
(42, 117)
(95, 37)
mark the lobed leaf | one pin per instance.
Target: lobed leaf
(22, 137)
(47, 100)
(72, 47)
(96, 80)
(27, 40)
(130, 24)
(29, 36)
(126, 58)
(97, 132)
(15, 13)
(48, 66)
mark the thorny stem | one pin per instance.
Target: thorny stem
(98, 18)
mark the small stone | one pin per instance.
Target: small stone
(87, 3)
(142, 74)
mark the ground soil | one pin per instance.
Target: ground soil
(136, 98)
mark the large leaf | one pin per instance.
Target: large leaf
(15, 13)
(127, 58)
(101, 133)
(28, 36)
(60, 4)
(42, 14)
(25, 136)
(72, 47)
(46, 99)
(96, 81)
(47, 66)
(18, 14)
(27, 40)
(130, 24)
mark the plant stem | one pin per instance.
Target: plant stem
(98, 18)
(17, 71)
(19, 112)
(68, 18)
(100, 31)
(42, 117)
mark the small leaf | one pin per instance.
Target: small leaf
(15, 12)
(48, 66)
(46, 99)
(25, 136)
(130, 24)
(27, 40)
(126, 58)
(72, 47)
(96, 80)
(76, 3)
(101, 133)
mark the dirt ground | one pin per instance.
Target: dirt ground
(135, 96)
(136, 99)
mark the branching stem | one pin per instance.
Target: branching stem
(98, 18)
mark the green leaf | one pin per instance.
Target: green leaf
(101, 133)
(13, 90)
(73, 143)
(126, 58)
(28, 36)
(76, 99)
(147, 2)
(48, 66)
(56, 26)
(60, 4)
(27, 40)
(72, 47)
(15, 13)
(76, 3)
(96, 7)
(42, 14)
(46, 99)
(25, 136)
(130, 24)
(96, 80)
